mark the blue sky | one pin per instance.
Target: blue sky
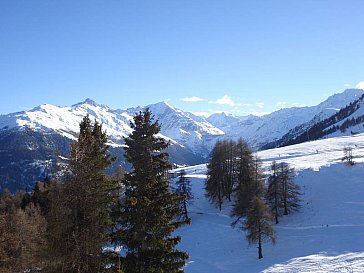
(237, 56)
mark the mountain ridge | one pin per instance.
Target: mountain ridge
(192, 137)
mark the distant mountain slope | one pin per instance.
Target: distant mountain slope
(32, 142)
(346, 121)
(269, 128)
(185, 128)
(192, 137)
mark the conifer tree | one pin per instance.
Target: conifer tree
(183, 189)
(149, 211)
(251, 204)
(214, 183)
(290, 190)
(229, 151)
(274, 192)
(246, 181)
(258, 224)
(282, 194)
(79, 220)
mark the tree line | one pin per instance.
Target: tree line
(235, 174)
(87, 221)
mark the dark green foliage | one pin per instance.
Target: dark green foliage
(149, 209)
(183, 189)
(79, 220)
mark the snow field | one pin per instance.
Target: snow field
(327, 235)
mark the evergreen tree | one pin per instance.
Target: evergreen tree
(184, 191)
(79, 221)
(258, 224)
(149, 211)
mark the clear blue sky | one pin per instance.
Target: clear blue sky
(255, 56)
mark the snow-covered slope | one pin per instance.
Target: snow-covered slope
(66, 120)
(268, 128)
(346, 121)
(194, 133)
(327, 235)
(51, 128)
(185, 128)
(226, 122)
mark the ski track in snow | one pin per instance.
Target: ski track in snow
(326, 235)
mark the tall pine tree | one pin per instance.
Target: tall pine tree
(79, 220)
(149, 211)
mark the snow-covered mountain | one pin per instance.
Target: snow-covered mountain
(66, 120)
(345, 121)
(33, 140)
(185, 128)
(180, 128)
(259, 131)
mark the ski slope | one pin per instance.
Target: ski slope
(327, 235)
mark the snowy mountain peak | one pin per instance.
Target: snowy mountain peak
(347, 96)
(89, 102)
(161, 107)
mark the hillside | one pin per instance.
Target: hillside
(266, 131)
(44, 133)
(345, 121)
(327, 235)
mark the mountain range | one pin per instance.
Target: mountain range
(35, 143)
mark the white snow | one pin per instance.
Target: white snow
(327, 235)
(261, 130)
(195, 133)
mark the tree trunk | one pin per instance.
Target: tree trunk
(276, 200)
(285, 198)
(185, 208)
(260, 251)
(220, 199)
